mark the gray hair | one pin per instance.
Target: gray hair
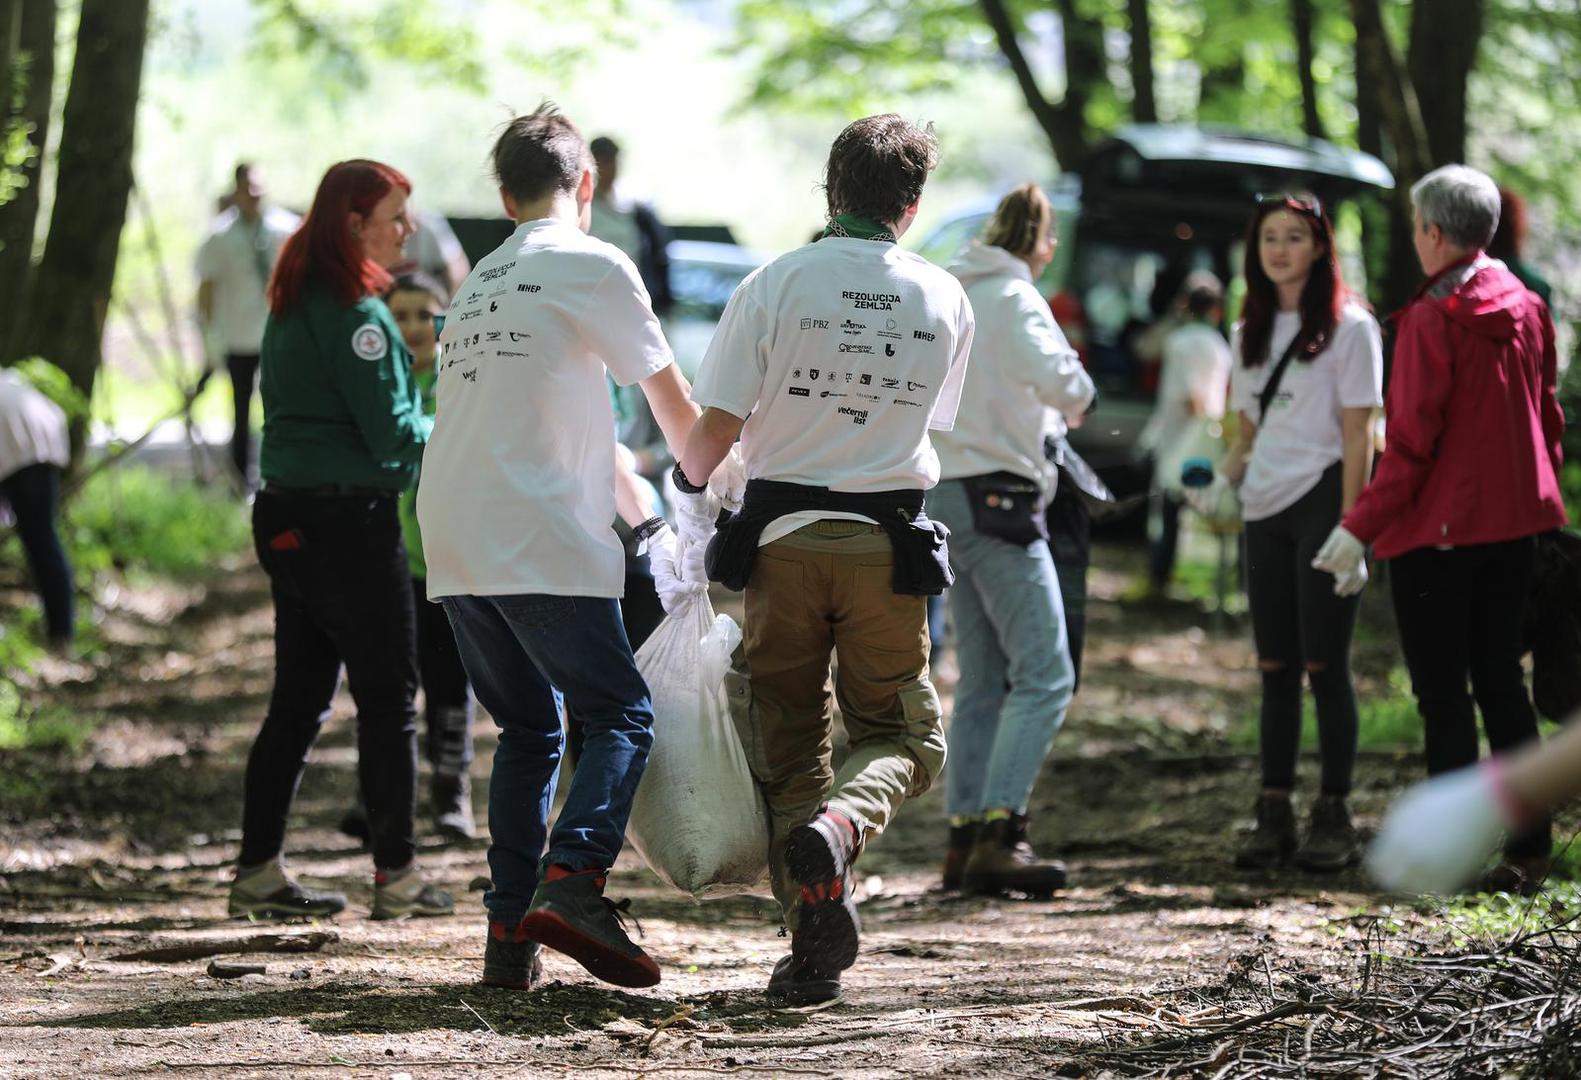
(1461, 201)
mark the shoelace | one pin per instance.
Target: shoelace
(622, 911)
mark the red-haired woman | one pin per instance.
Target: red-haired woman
(1306, 386)
(344, 430)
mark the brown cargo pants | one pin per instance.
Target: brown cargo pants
(825, 589)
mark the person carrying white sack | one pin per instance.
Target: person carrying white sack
(843, 353)
(1436, 837)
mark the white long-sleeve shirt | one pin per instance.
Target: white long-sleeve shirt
(1021, 365)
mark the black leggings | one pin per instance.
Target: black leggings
(34, 494)
(1298, 622)
(447, 695)
(1460, 613)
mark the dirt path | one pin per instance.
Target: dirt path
(127, 848)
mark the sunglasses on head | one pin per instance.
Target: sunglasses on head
(1306, 204)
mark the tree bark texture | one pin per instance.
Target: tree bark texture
(70, 290)
(1219, 99)
(1063, 123)
(1445, 35)
(1393, 93)
(1301, 26)
(1144, 106)
(19, 217)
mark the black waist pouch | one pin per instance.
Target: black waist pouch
(731, 552)
(1006, 507)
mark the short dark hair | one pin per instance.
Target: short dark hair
(540, 154)
(417, 281)
(604, 148)
(877, 167)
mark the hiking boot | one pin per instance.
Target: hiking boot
(1002, 861)
(354, 823)
(510, 960)
(1274, 839)
(451, 797)
(1331, 842)
(399, 893)
(267, 892)
(570, 914)
(962, 837)
(797, 982)
(1520, 874)
(819, 856)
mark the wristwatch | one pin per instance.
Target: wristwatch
(644, 532)
(683, 485)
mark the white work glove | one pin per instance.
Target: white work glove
(1352, 582)
(1340, 554)
(729, 482)
(1438, 834)
(675, 579)
(695, 515)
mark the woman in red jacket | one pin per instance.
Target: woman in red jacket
(1469, 478)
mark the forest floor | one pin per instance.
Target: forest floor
(1158, 950)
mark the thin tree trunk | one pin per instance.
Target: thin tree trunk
(1064, 124)
(1301, 25)
(1144, 106)
(1219, 100)
(1396, 98)
(70, 291)
(1392, 269)
(10, 31)
(1445, 35)
(19, 216)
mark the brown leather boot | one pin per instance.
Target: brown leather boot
(962, 837)
(1003, 862)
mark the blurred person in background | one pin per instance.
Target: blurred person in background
(1016, 675)
(1308, 381)
(1470, 477)
(344, 431)
(1509, 245)
(233, 268)
(1193, 383)
(631, 226)
(35, 446)
(434, 252)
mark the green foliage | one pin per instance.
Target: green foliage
(136, 520)
(1487, 918)
(1387, 719)
(44, 729)
(56, 385)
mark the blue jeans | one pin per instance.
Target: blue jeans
(1016, 674)
(523, 653)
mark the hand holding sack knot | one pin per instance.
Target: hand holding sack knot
(678, 574)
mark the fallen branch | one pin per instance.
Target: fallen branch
(201, 950)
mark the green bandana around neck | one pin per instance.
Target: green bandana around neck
(859, 228)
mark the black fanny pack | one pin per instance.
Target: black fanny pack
(1007, 507)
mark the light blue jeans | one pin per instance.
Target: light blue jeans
(1016, 674)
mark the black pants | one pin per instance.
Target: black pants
(34, 494)
(1460, 613)
(1297, 622)
(342, 595)
(1161, 550)
(243, 368)
(447, 695)
(1070, 543)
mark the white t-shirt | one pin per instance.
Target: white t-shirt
(237, 258)
(32, 427)
(841, 354)
(518, 484)
(1302, 435)
(616, 223)
(1196, 369)
(1022, 367)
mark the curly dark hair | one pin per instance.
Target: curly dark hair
(877, 167)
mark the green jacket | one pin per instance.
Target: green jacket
(426, 381)
(340, 403)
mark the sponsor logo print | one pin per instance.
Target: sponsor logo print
(871, 301)
(868, 397)
(889, 350)
(470, 376)
(470, 313)
(493, 335)
(853, 328)
(369, 342)
(922, 335)
(889, 330)
(507, 352)
(494, 305)
(865, 379)
(858, 416)
(906, 401)
(847, 347)
(831, 376)
(518, 337)
(795, 373)
(473, 298)
(496, 273)
(800, 391)
(849, 377)
(814, 324)
(529, 288)
(833, 393)
(891, 384)
(915, 386)
(812, 373)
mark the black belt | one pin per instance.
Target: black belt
(321, 491)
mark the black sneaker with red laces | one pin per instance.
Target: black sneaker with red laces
(827, 930)
(510, 961)
(570, 914)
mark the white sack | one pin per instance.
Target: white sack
(698, 819)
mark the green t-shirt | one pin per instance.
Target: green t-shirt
(426, 381)
(340, 404)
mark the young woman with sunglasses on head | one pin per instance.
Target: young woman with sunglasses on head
(1307, 382)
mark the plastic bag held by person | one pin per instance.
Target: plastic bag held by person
(698, 819)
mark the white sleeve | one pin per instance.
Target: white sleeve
(206, 265)
(1361, 365)
(620, 325)
(949, 400)
(732, 371)
(1244, 381)
(1045, 358)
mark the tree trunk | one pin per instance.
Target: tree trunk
(1301, 25)
(19, 217)
(1392, 269)
(1144, 106)
(10, 30)
(1065, 123)
(1445, 35)
(1220, 98)
(1395, 97)
(70, 292)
